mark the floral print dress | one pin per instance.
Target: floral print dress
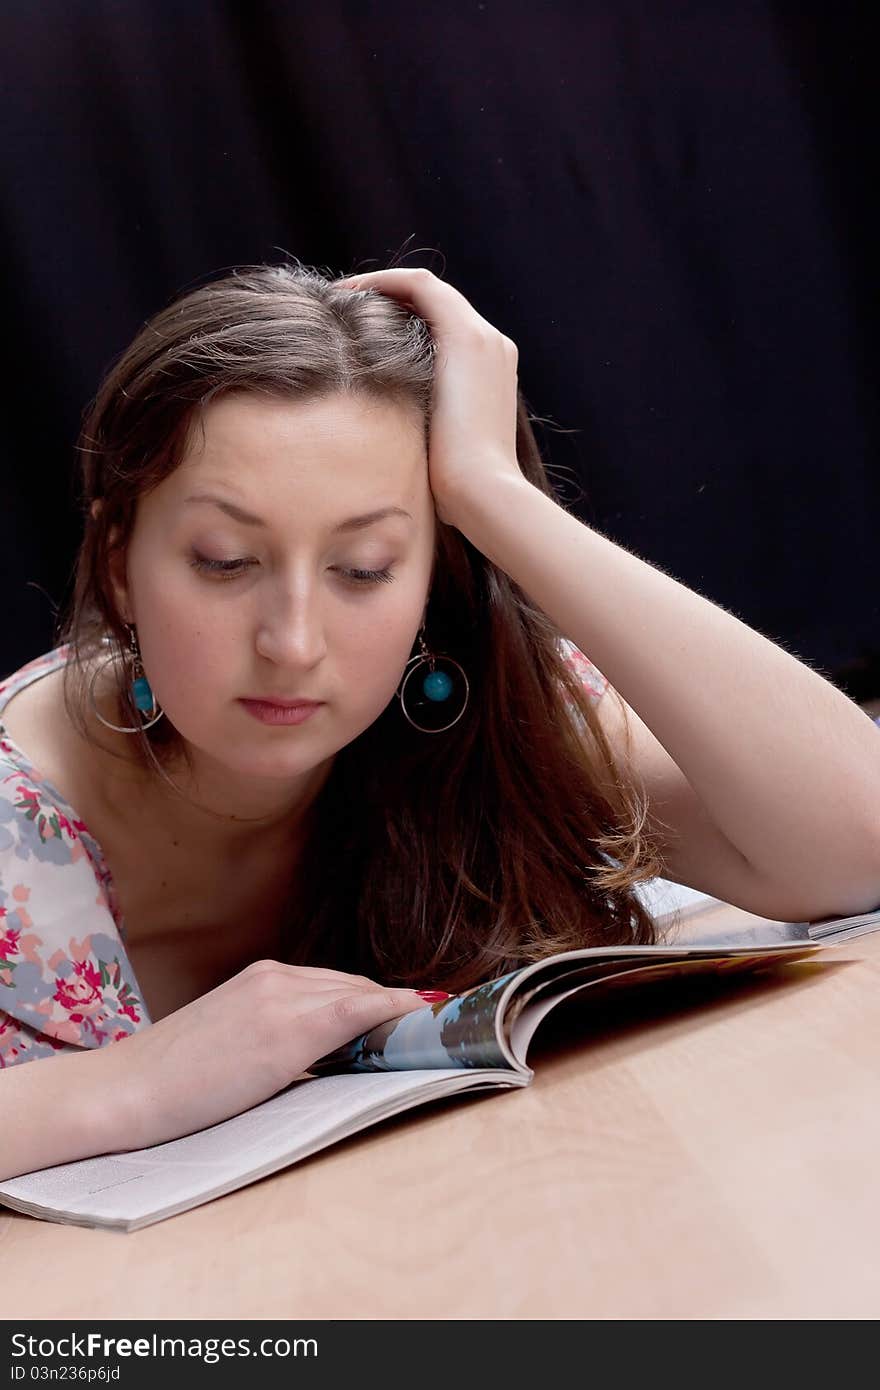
(65, 978)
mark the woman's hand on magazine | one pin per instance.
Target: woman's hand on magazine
(237, 1045)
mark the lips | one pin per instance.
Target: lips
(282, 704)
(268, 713)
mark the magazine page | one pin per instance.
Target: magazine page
(524, 1016)
(687, 914)
(834, 929)
(464, 1031)
(665, 899)
(718, 923)
(126, 1191)
(457, 1032)
(471, 1029)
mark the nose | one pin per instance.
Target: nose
(292, 633)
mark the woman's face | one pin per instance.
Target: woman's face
(307, 604)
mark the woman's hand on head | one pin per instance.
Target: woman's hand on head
(473, 426)
(240, 1044)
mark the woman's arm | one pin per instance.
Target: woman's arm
(786, 765)
(56, 1110)
(219, 1055)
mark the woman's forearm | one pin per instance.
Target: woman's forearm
(786, 764)
(57, 1110)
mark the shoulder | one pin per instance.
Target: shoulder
(64, 979)
(33, 828)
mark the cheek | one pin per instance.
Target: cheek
(185, 650)
(370, 649)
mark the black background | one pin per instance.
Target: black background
(667, 206)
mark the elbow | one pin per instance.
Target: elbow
(828, 890)
(858, 890)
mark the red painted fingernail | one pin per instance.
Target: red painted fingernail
(433, 996)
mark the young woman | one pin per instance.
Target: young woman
(320, 731)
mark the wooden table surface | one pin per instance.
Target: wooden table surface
(680, 1154)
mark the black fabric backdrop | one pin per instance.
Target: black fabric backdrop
(665, 205)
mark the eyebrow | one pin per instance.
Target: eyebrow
(352, 523)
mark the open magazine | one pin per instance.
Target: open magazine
(473, 1042)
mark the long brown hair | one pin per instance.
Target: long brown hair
(444, 858)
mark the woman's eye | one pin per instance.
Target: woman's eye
(230, 569)
(383, 576)
(225, 569)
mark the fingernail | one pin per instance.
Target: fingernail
(433, 996)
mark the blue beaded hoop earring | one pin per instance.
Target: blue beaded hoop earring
(430, 691)
(141, 691)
